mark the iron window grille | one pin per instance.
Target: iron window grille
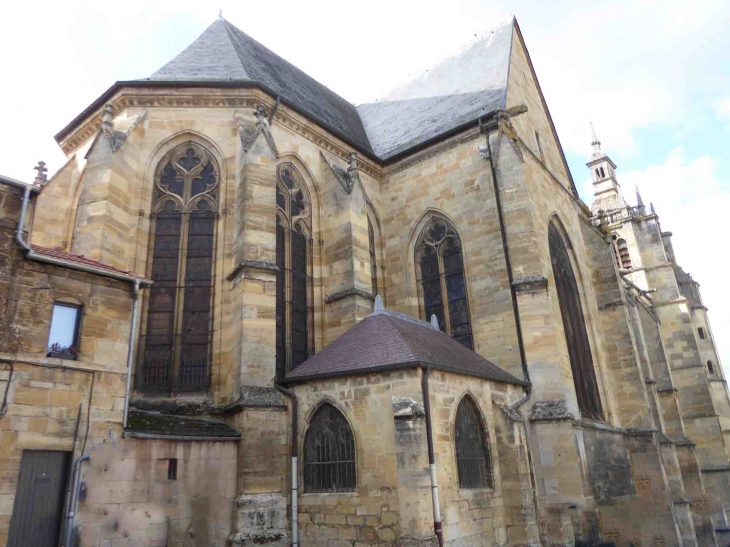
(441, 280)
(294, 311)
(576, 336)
(329, 453)
(473, 456)
(175, 350)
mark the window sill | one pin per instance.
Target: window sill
(323, 494)
(60, 355)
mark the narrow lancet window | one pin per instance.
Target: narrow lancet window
(373, 259)
(473, 459)
(623, 254)
(441, 280)
(576, 336)
(294, 313)
(329, 453)
(176, 344)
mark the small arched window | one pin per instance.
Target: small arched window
(441, 280)
(176, 345)
(576, 336)
(622, 249)
(373, 259)
(329, 453)
(473, 459)
(710, 367)
(294, 315)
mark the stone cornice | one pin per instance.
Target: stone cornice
(191, 97)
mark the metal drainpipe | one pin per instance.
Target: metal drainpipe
(71, 518)
(431, 458)
(510, 279)
(294, 465)
(130, 354)
(21, 220)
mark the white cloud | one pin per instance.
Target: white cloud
(693, 204)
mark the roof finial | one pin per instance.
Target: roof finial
(41, 177)
(220, 14)
(379, 306)
(596, 144)
(435, 322)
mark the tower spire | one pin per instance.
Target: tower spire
(596, 144)
(639, 202)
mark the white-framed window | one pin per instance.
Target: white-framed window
(63, 336)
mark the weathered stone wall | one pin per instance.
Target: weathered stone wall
(131, 500)
(392, 502)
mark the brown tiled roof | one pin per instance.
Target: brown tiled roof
(386, 340)
(143, 424)
(81, 260)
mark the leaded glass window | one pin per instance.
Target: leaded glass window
(441, 280)
(473, 459)
(176, 346)
(576, 336)
(329, 453)
(373, 259)
(294, 315)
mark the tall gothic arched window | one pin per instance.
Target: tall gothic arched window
(329, 453)
(441, 280)
(176, 345)
(576, 336)
(473, 458)
(294, 315)
(373, 259)
(622, 249)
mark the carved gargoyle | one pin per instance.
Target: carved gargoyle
(116, 138)
(249, 135)
(346, 177)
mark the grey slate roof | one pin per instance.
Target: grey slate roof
(153, 425)
(386, 340)
(460, 89)
(224, 53)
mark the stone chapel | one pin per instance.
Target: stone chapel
(247, 312)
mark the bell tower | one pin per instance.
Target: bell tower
(606, 189)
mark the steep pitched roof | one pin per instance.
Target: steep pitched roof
(455, 93)
(386, 340)
(225, 53)
(460, 89)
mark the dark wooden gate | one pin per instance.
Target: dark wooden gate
(38, 508)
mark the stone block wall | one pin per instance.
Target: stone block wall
(132, 501)
(392, 502)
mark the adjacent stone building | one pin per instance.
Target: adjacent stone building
(247, 312)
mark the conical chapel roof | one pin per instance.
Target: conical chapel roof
(225, 53)
(387, 340)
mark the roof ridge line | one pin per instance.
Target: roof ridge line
(227, 26)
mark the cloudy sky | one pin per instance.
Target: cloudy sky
(651, 76)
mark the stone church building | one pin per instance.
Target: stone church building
(246, 312)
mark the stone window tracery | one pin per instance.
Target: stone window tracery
(329, 453)
(441, 279)
(176, 346)
(294, 313)
(576, 336)
(473, 458)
